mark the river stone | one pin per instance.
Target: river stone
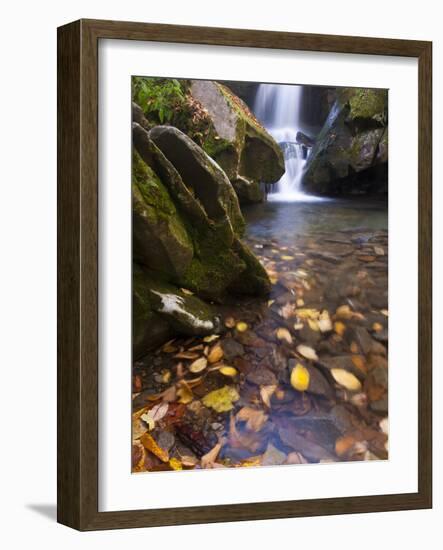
(344, 362)
(272, 456)
(261, 376)
(231, 349)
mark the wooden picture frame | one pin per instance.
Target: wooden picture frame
(78, 273)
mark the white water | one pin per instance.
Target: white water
(277, 106)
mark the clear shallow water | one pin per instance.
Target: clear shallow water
(285, 221)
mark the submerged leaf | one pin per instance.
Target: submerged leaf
(211, 338)
(307, 352)
(241, 326)
(284, 335)
(255, 419)
(150, 444)
(221, 400)
(266, 393)
(346, 379)
(208, 460)
(185, 394)
(228, 371)
(215, 354)
(300, 377)
(198, 365)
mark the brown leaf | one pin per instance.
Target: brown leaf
(216, 354)
(266, 394)
(255, 419)
(208, 460)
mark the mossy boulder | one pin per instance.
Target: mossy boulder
(161, 311)
(239, 144)
(350, 153)
(187, 227)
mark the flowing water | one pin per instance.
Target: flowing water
(278, 108)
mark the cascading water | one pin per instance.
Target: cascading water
(278, 106)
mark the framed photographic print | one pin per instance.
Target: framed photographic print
(244, 278)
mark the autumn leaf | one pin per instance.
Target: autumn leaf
(284, 335)
(241, 326)
(266, 393)
(346, 379)
(175, 464)
(215, 354)
(185, 394)
(229, 322)
(228, 371)
(307, 352)
(255, 419)
(221, 400)
(155, 414)
(208, 460)
(300, 377)
(198, 365)
(150, 444)
(211, 338)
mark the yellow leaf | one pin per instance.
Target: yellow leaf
(339, 328)
(185, 394)
(307, 313)
(215, 354)
(211, 338)
(298, 326)
(284, 335)
(149, 443)
(377, 327)
(313, 325)
(241, 326)
(287, 258)
(221, 400)
(300, 302)
(166, 376)
(228, 371)
(175, 464)
(346, 379)
(307, 352)
(300, 377)
(198, 365)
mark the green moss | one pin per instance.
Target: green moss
(367, 103)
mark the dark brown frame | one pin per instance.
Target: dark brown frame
(77, 273)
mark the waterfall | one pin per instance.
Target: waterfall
(277, 106)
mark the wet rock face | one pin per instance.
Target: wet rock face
(186, 233)
(351, 151)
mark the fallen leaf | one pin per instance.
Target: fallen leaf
(300, 302)
(298, 326)
(211, 338)
(266, 393)
(346, 379)
(344, 312)
(287, 311)
(300, 377)
(175, 464)
(377, 327)
(339, 328)
(149, 443)
(284, 335)
(307, 352)
(359, 400)
(215, 354)
(138, 428)
(313, 325)
(186, 355)
(188, 461)
(198, 365)
(155, 414)
(344, 445)
(287, 258)
(255, 419)
(306, 313)
(228, 371)
(379, 251)
(230, 322)
(187, 292)
(221, 400)
(208, 460)
(168, 347)
(185, 394)
(241, 326)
